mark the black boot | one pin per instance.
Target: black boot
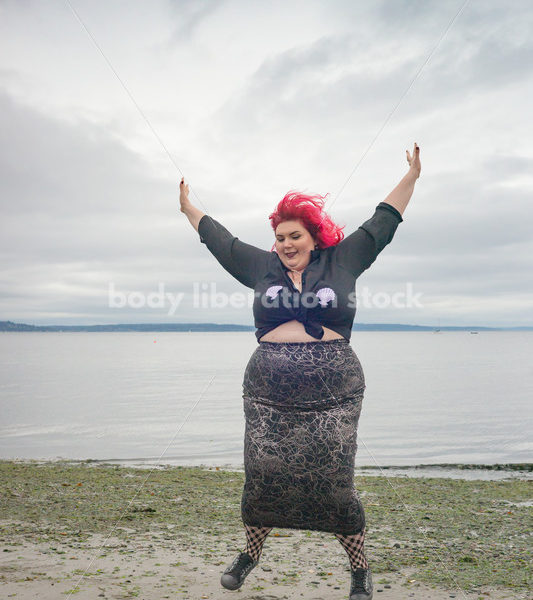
(361, 588)
(234, 576)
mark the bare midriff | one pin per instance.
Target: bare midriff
(294, 331)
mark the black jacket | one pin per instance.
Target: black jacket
(328, 282)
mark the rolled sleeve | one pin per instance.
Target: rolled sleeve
(244, 262)
(361, 248)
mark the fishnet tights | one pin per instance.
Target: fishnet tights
(255, 538)
(353, 544)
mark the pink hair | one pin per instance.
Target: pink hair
(309, 210)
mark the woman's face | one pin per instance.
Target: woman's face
(294, 244)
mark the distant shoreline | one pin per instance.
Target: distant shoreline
(8, 326)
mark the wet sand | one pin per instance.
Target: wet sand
(85, 531)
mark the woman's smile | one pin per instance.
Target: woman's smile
(294, 244)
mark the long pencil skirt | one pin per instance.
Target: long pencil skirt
(302, 402)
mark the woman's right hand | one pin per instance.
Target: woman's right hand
(193, 214)
(184, 195)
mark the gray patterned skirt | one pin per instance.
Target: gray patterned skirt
(302, 402)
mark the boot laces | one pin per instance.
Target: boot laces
(242, 562)
(360, 580)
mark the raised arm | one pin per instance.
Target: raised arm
(244, 262)
(401, 194)
(361, 248)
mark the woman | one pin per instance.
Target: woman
(303, 386)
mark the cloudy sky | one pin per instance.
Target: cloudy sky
(251, 100)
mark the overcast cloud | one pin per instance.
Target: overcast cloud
(253, 99)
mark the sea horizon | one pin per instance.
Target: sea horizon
(7, 325)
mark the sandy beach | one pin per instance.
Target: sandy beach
(102, 531)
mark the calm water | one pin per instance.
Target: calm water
(430, 398)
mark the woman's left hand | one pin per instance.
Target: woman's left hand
(414, 161)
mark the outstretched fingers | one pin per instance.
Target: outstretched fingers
(416, 153)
